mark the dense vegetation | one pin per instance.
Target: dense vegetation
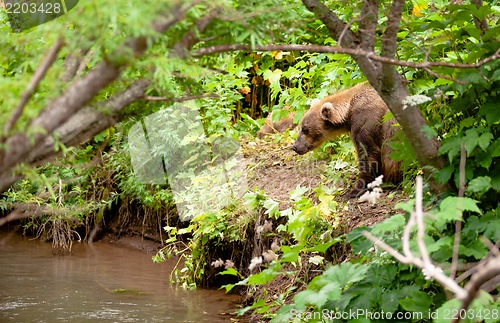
(66, 169)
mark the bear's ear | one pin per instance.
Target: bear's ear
(327, 111)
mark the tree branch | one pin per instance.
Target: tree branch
(368, 20)
(486, 273)
(424, 263)
(183, 46)
(483, 23)
(340, 50)
(183, 99)
(33, 84)
(389, 40)
(334, 24)
(78, 94)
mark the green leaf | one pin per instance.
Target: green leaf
(291, 254)
(230, 271)
(344, 274)
(298, 193)
(390, 301)
(264, 276)
(484, 140)
(443, 314)
(272, 207)
(470, 140)
(479, 185)
(323, 247)
(358, 241)
(417, 301)
(452, 147)
(491, 111)
(429, 132)
(476, 250)
(406, 206)
(435, 246)
(444, 174)
(451, 209)
(329, 292)
(494, 148)
(391, 224)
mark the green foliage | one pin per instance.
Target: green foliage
(464, 112)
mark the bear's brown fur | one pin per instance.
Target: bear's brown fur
(358, 111)
(271, 127)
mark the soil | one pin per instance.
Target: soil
(277, 170)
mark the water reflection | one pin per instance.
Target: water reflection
(103, 282)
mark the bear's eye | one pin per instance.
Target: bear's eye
(305, 131)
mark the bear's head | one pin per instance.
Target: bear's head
(322, 122)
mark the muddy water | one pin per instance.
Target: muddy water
(103, 282)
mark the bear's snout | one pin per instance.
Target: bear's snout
(299, 149)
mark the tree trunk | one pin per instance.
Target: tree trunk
(384, 78)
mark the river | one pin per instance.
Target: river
(102, 282)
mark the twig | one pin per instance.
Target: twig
(184, 98)
(458, 224)
(424, 263)
(33, 84)
(389, 39)
(445, 77)
(485, 274)
(340, 50)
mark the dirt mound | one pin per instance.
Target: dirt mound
(277, 170)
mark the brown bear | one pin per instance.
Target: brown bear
(358, 111)
(271, 127)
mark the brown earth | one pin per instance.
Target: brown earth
(277, 170)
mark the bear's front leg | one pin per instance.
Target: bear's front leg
(366, 176)
(369, 165)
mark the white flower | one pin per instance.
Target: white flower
(374, 191)
(376, 183)
(266, 227)
(217, 263)
(228, 264)
(275, 245)
(255, 262)
(428, 271)
(269, 255)
(415, 100)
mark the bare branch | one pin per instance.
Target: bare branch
(78, 94)
(182, 47)
(368, 24)
(335, 25)
(389, 40)
(483, 23)
(484, 276)
(486, 273)
(182, 99)
(340, 50)
(441, 76)
(424, 263)
(458, 224)
(33, 84)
